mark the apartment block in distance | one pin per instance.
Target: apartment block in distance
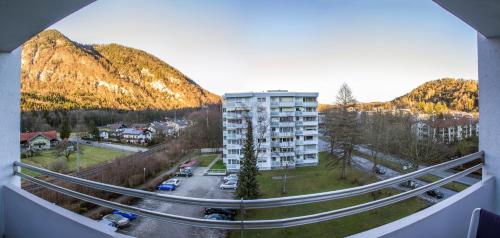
(285, 126)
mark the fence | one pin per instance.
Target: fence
(258, 203)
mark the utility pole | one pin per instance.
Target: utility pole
(78, 153)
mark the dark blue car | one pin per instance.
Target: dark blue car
(166, 187)
(129, 215)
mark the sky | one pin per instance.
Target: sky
(382, 49)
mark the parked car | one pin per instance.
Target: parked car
(410, 184)
(217, 216)
(109, 223)
(231, 184)
(379, 170)
(173, 181)
(129, 215)
(166, 187)
(435, 193)
(231, 177)
(185, 172)
(116, 219)
(407, 166)
(227, 212)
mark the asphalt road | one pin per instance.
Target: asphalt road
(442, 174)
(196, 186)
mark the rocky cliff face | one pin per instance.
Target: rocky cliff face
(58, 73)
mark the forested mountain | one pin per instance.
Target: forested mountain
(436, 96)
(441, 95)
(58, 73)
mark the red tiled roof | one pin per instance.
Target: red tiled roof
(51, 135)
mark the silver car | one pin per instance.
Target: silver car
(117, 220)
(231, 184)
(175, 182)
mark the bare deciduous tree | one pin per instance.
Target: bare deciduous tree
(344, 128)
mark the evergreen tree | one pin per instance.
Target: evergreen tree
(247, 184)
(93, 130)
(65, 129)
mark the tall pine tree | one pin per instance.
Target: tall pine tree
(248, 187)
(65, 129)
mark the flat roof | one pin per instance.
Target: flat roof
(270, 93)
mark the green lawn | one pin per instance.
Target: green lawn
(205, 160)
(320, 179)
(90, 156)
(429, 178)
(219, 165)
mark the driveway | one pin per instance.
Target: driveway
(196, 186)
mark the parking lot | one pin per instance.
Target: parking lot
(196, 186)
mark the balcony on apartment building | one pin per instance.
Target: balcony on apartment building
(20, 20)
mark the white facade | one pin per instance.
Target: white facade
(285, 126)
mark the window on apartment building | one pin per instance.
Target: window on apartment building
(262, 150)
(297, 118)
(286, 158)
(310, 109)
(308, 137)
(286, 129)
(309, 99)
(298, 109)
(235, 121)
(286, 119)
(261, 140)
(297, 138)
(309, 118)
(286, 139)
(261, 161)
(261, 99)
(223, 110)
(309, 128)
(310, 156)
(289, 149)
(287, 109)
(286, 99)
(234, 151)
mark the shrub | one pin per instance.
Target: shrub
(59, 165)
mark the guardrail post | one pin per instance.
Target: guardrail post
(242, 212)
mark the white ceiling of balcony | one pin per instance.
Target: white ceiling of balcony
(22, 19)
(482, 15)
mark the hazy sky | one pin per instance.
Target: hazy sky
(381, 48)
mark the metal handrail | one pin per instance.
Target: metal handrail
(257, 203)
(255, 224)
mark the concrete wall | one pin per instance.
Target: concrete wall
(10, 75)
(30, 216)
(489, 107)
(449, 218)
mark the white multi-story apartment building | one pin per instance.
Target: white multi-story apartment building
(285, 126)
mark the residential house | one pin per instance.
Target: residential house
(41, 140)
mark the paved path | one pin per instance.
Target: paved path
(442, 174)
(196, 186)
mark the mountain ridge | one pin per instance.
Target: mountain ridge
(60, 74)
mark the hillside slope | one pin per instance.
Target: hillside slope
(441, 95)
(58, 73)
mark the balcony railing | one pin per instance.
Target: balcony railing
(257, 203)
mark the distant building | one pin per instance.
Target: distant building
(134, 136)
(285, 128)
(39, 140)
(449, 129)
